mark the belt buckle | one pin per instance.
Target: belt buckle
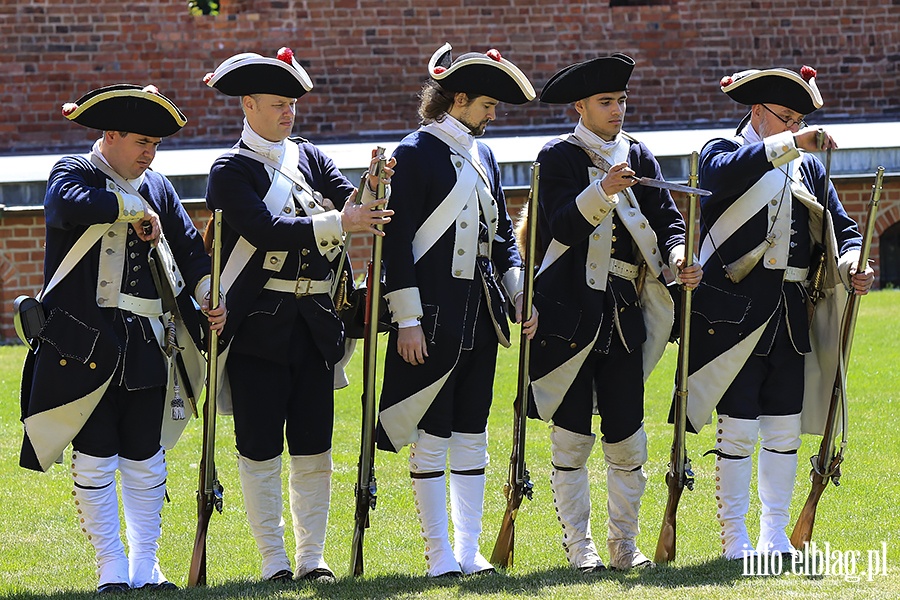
(301, 288)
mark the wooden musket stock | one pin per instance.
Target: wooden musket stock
(680, 475)
(366, 486)
(210, 491)
(519, 484)
(826, 464)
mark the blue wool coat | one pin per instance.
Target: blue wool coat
(80, 348)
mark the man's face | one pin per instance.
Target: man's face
(129, 154)
(475, 114)
(603, 114)
(270, 116)
(771, 119)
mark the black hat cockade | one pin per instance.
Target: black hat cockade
(126, 107)
(487, 74)
(249, 73)
(778, 86)
(588, 78)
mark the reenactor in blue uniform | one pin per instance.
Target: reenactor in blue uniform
(104, 372)
(282, 237)
(751, 338)
(448, 253)
(606, 314)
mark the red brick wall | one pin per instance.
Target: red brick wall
(367, 58)
(22, 238)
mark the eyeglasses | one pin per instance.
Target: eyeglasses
(787, 122)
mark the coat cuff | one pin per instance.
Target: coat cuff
(131, 207)
(514, 283)
(848, 259)
(327, 230)
(594, 204)
(781, 149)
(201, 290)
(405, 304)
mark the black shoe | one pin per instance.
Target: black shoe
(599, 568)
(449, 575)
(163, 586)
(282, 576)
(320, 575)
(113, 588)
(488, 571)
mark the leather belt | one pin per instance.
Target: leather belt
(300, 287)
(145, 307)
(623, 269)
(796, 274)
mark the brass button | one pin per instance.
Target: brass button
(461, 251)
(643, 225)
(772, 261)
(273, 260)
(110, 251)
(104, 283)
(543, 343)
(596, 236)
(612, 251)
(133, 255)
(458, 164)
(463, 225)
(93, 365)
(591, 281)
(653, 251)
(711, 331)
(774, 201)
(132, 283)
(323, 243)
(613, 238)
(457, 272)
(573, 345)
(304, 266)
(112, 234)
(304, 251)
(136, 268)
(62, 362)
(311, 204)
(593, 265)
(287, 209)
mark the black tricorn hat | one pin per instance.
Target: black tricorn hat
(127, 107)
(487, 74)
(777, 86)
(585, 79)
(249, 73)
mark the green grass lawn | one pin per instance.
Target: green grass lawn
(43, 554)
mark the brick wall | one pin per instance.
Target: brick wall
(22, 238)
(367, 58)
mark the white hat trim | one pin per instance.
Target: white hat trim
(252, 58)
(506, 66)
(743, 77)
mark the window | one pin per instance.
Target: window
(890, 256)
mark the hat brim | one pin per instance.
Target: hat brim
(588, 78)
(775, 86)
(125, 107)
(478, 74)
(249, 73)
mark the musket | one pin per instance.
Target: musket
(826, 464)
(366, 484)
(519, 484)
(210, 491)
(680, 475)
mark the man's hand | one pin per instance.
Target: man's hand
(689, 277)
(617, 179)
(529, 327)
(411, 345)
(372, 180)
(364, 217)
(814, 139)
(147, 227)
(862, 282)
(216, 317)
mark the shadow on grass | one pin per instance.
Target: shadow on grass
(386, 587)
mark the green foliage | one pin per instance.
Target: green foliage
(44, 555)
(203, 7)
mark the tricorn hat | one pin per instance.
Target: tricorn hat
(778, 86)
(487, 74)
(585, 79)
(249, 73)
(126, 107)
